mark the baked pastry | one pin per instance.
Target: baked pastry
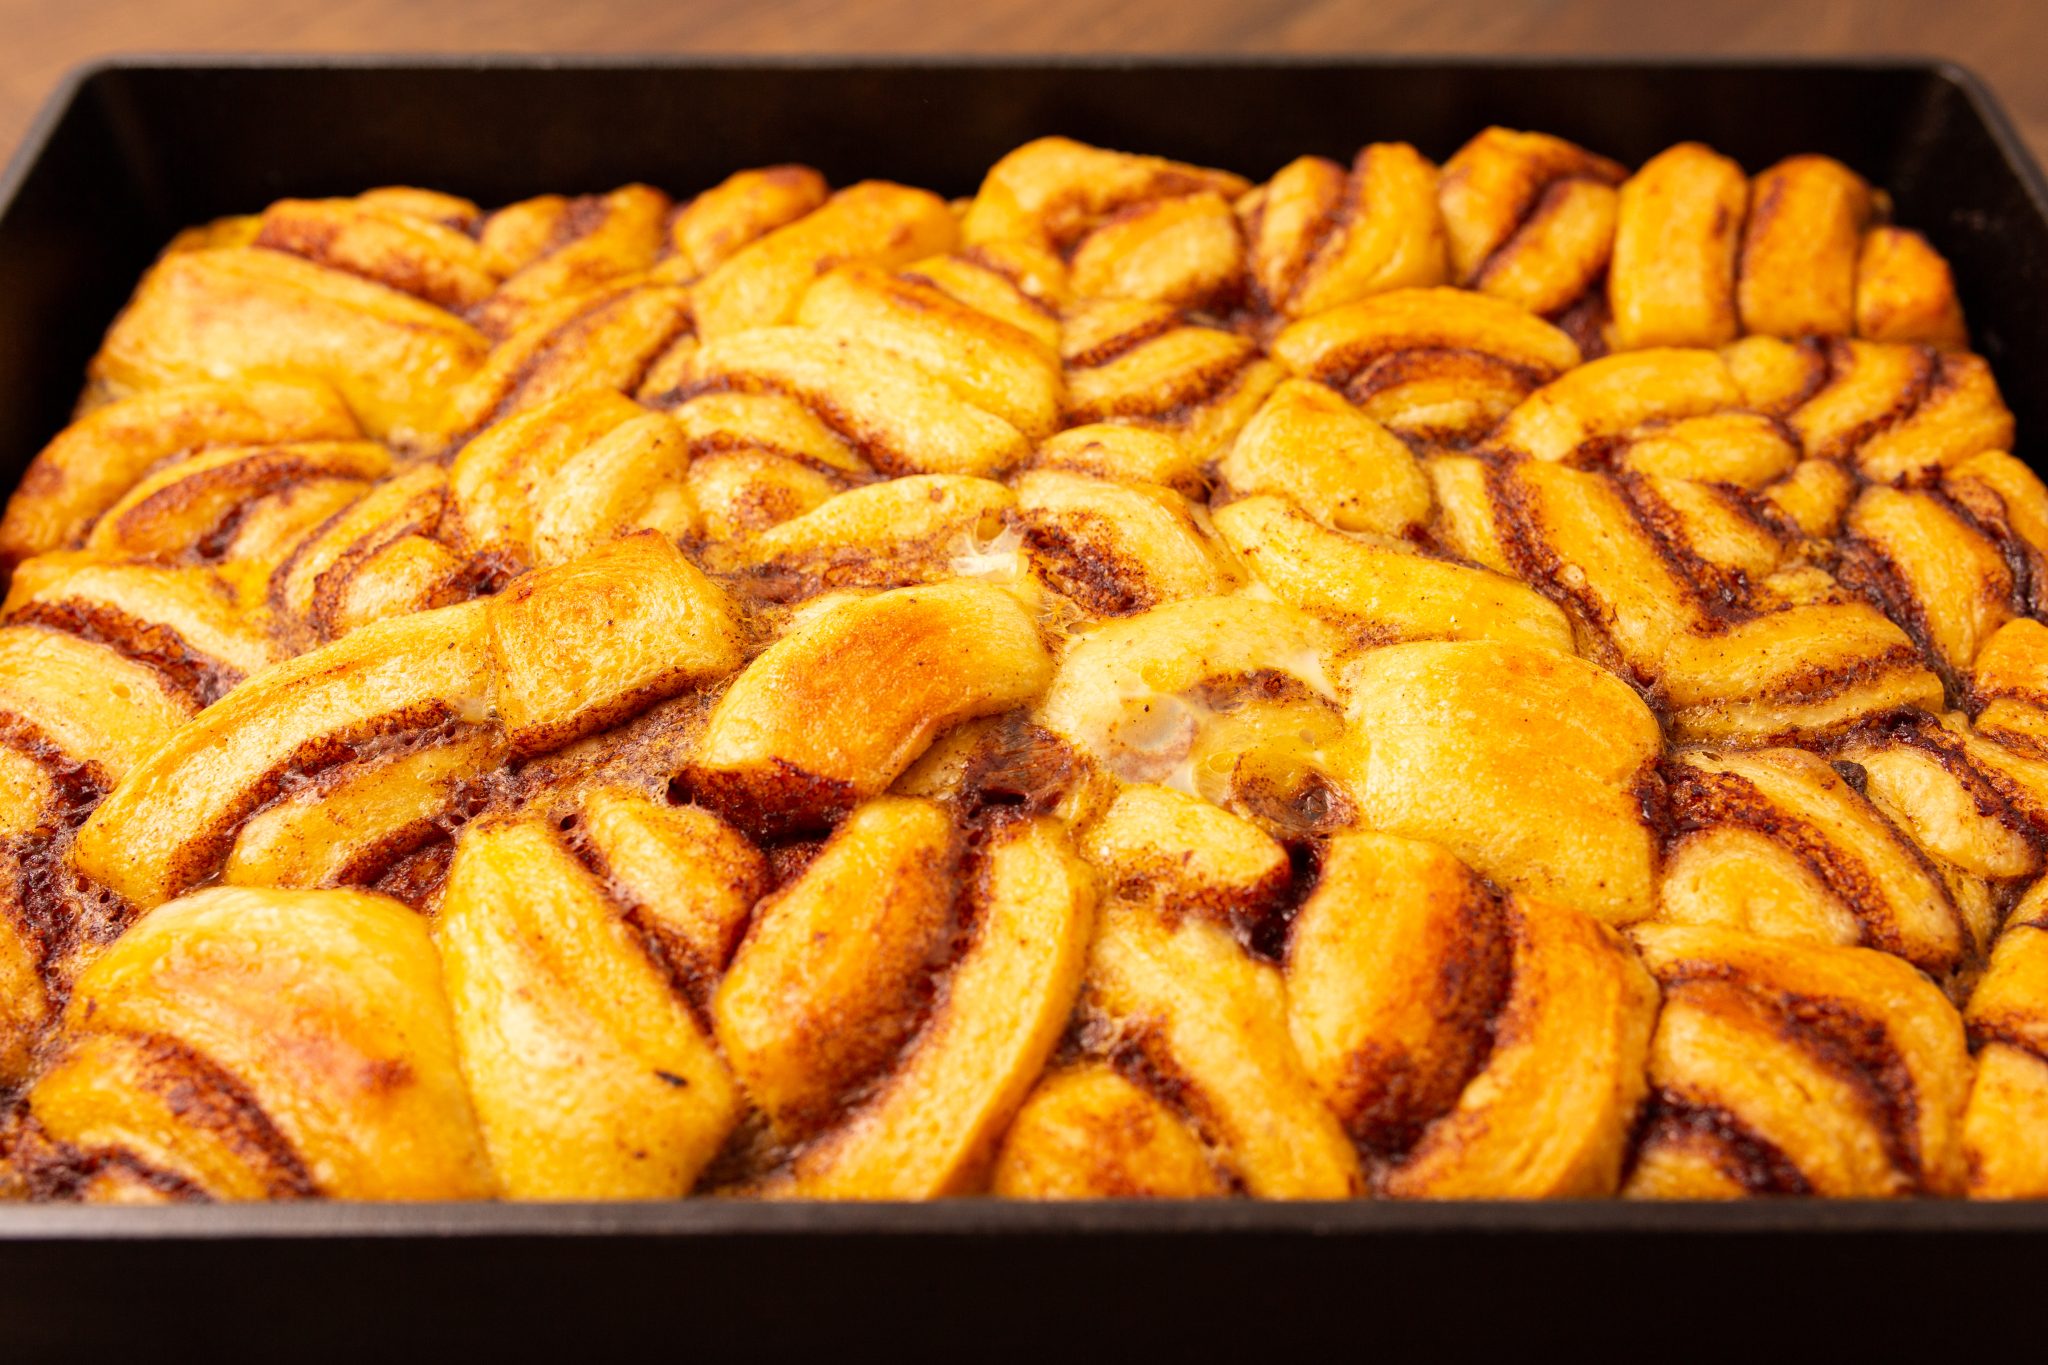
(1522, 678)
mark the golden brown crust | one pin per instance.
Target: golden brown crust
(1786, 1069)
(1524, 679)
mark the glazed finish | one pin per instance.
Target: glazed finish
(1523, 678)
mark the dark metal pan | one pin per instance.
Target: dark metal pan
(129, 150)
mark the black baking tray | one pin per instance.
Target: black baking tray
(130, 149)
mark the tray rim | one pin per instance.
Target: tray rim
(972, 1218)
(978, 1218)
(77, 79)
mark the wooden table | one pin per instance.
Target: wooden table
(2005, 40)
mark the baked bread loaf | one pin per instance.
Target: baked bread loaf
(1523, 678)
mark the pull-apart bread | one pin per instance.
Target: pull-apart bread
(1517, 678)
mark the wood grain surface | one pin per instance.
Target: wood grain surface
(2004, 40)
